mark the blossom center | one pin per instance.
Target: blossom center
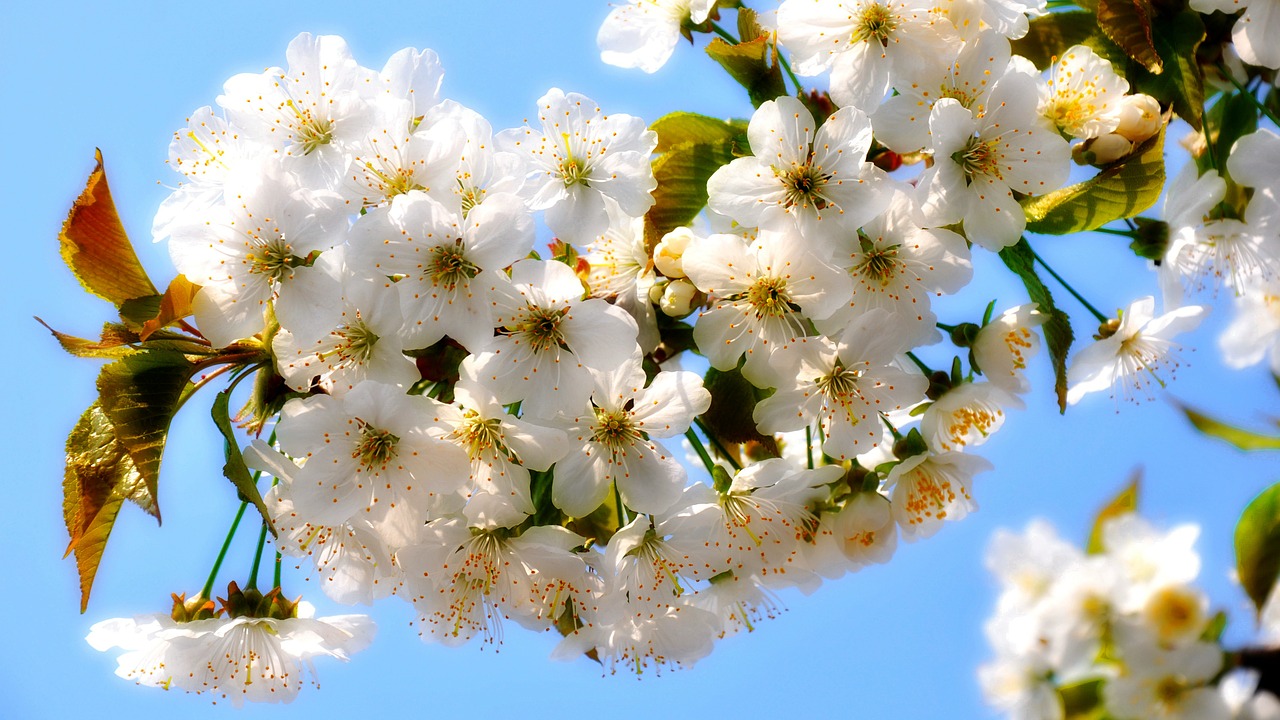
(541, 327)
(355, 342)
(980, 156)
(376, 447)
(273, 258)
(876, 22)
(479, 435)
(311, 132)
(449, 267)
(768, 297)
(615, 430)
(878, 264)
(803, 187)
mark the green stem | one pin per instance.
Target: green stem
(808, 444)
(1113, 231)
(257, 559)
(786, 66)
(699, 448)
(1253, 98)
(275, 580)
(1101, 318)
(207, 591)
(920, 363)
(715, 27)
(944, 326)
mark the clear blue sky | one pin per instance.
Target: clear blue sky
(899, 641)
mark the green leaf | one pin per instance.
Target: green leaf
(235, 470)
(682, 175)
(1123, 503)
(728, 419)
(135, 312)
(1241, 438)
(682, 128)
(1181, 85)
(1050, 35)
(96, 248)
(99, 477)
(1058, 335)
(1119, 191)
(1232, 117)
(1128, 24)
(1213, 629)
(1082, 698)
(1258, 545)
(754, 64)
(140, 394)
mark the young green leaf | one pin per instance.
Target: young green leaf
(1258, 545)
(1120, 191)
(1124, 502)
(681, 128)
(100, 475)
(1241, 438)
(235, 470)
(1057, 331)
(754, 65)
(682, 175)
(140, 394)
(96, 248)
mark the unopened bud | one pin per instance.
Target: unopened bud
(964, 334)
(678, 298)
(1102, 150)
(656, 290)
(669, 251)
(1139, 117)
(939, 384)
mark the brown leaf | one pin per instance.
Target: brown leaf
(96, 248)
(175, 305)
(1128, 24)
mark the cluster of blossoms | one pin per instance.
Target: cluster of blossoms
(1122, 628)
(493, 435)
(1215, 244)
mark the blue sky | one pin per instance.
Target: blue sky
(901, 640)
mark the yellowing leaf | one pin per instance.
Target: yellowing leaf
(1258, 545)
(1123, 503)
(99, 477)
(96, 248)
(175, 305)
(112, 346)
(1119, 191)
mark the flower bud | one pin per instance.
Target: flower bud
(667, 254)
(1139, 117)
(1102, 150)
(656, 290)
(678, 298)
